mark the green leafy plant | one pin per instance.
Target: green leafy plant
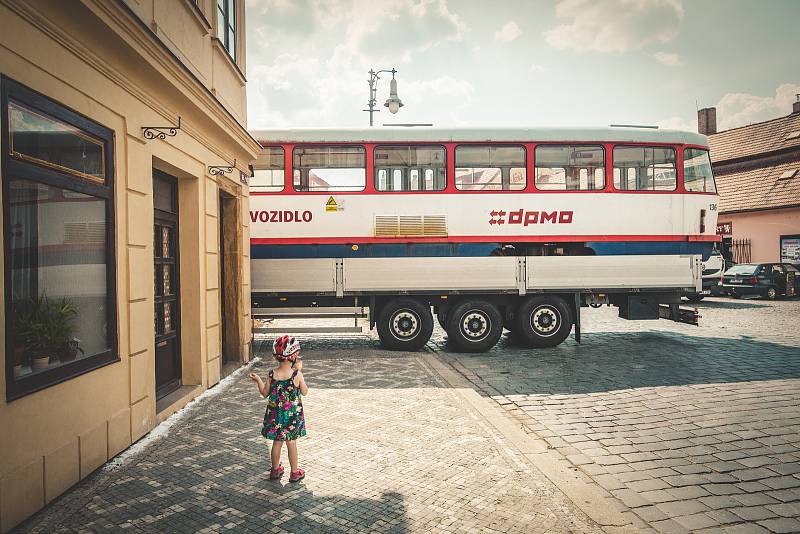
(47, 327)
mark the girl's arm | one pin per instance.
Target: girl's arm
(262, 387)
(302, 383)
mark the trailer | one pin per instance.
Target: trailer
(537, 298)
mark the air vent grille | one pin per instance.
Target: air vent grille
(82, 233)
(410, 226)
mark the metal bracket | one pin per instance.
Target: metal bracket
(521, 275)
(215, 170)
(340, 277)
(161, 132)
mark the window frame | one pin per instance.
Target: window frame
(290, 177)
(593, 144)
(678, 168)
(524, 147)
(227, 16)
(20, 169)
(421, 177)
(257, 167)
(683, 171)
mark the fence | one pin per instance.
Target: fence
(741, 250)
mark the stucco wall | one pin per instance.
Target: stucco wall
(764, 229)
(82, 57)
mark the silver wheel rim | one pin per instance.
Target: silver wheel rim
(545, 320)
(404, 325)
(771, 292)
(475, 325)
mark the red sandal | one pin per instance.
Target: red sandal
(277, 473)
(297, 476)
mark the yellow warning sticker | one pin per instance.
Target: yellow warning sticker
(331, 205)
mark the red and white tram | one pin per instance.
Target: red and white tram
(408, 193)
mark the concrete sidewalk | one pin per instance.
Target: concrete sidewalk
(393, 446)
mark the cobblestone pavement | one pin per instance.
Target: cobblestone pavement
(391, 448)
(692, 428)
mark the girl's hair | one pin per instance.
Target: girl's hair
(285, 348)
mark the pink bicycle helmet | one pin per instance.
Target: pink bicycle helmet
(285, 348)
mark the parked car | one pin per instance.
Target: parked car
(768, 280)
(713, 268)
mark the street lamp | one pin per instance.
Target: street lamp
(393, 102)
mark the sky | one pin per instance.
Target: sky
(522, 62)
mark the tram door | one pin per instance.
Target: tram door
(166, 282)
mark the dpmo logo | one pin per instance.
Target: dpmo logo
(527, 218)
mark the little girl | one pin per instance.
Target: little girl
(284, 420)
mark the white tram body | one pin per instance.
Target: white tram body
(507, 215)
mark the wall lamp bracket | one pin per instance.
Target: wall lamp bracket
(161, 132)
(215, 170)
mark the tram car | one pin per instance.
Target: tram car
(486, 228)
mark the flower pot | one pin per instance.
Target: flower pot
(18, 353)
(40, 362)
(68, 356)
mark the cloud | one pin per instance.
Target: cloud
(308, 60)
(536, 68)
(508, 32)
(669, 59)
(738, 109)
(614, 25)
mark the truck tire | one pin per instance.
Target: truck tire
(441, 317)
(405, 324)
(694, 297)
(543, 321)
(474, 326)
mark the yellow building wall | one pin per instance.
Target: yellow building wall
(84, 56)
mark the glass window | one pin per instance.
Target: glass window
(697, 175)
(268, 171)
(226, 25)
(644, 168)
(46, 141)
(490, 168)
(329, 168)
(410, 168)
(569, 168)
(59, 249)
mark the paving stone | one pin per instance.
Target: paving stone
(747, 475)
(753, 513)
(696, 522)
(649, 484)
(681, 508)
(720, 501)
(782, 524)
(781, 482)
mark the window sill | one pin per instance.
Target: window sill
(31, 382)
(198, 16)
(231, 62)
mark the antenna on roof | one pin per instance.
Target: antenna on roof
(649, 127)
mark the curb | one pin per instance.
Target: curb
(594, 501)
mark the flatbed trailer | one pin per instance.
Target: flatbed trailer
(538, 298)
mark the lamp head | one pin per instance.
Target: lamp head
(393, 102)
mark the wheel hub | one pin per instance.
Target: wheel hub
(405, 324)
(545, 320)
(475, 325)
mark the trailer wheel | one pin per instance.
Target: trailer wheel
(543, 321)
(405, 324)
(474, 326)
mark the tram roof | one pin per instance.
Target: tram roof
(441, 135)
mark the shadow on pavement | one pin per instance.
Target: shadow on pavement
(613, 361)
(724, 304)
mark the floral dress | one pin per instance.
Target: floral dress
(284, 420)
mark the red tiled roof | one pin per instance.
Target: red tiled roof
(753, 139)
(759, 188)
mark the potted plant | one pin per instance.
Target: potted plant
(21, 319)
(68, 345)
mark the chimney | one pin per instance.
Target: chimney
(796, 105)
(707, 121)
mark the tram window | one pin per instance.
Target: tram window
(268, 172)
(329, 168)
(410, 168)
(697, 175)
(490, 168)
(569, 168)
(638, 168)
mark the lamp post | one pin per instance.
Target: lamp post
(393, 102)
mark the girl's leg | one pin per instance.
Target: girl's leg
(292, 449)
(275, 454)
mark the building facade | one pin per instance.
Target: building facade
(757, 170)
(125, 230)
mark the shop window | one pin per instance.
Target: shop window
(268, 172)
(697, 175)
(329, 168)
(643, 168)
(410, 168)
(490, 168)
(569, 168)
(59, 249)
